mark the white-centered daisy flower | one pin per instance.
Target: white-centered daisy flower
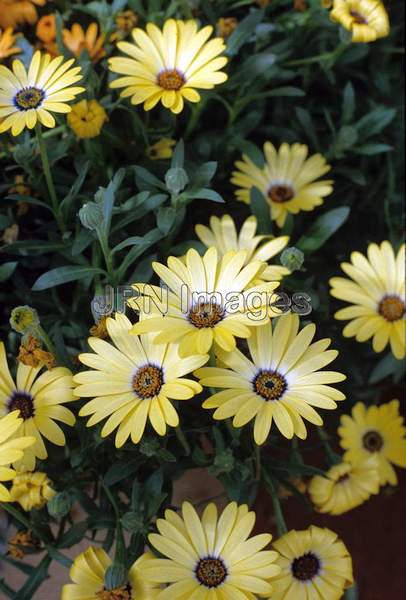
(27, 97)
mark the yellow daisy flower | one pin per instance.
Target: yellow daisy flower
(163, 148)
(281, 383)
(18, 12)
(7, 41)
(376, 430)
(88, 571)
(31, 489)
(315, 565)
(346, 486)
(208, 301)
(211, 557)
(376, 292)
(39, 399)
(366, 19)
(287, 180)
(223, 235)
(77, 40)
(169, 65)
(11, 448)
(28, 97)
(133, 381)
(87, 119)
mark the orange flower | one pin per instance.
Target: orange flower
(77, 40)
(7, 39)
(46, 29)
(18, 12)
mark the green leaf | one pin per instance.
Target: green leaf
(348, 109)
(323, 228)
(372, 149)
(146, 180)
(62, 275)
(243, 32)
(83, 239)
(33, 582)
(260, 208)
(204, 194)
(205, 174)
(83, 170)
(387, 366)
(74, 535)
(307, 124)
(375, 121)
(122, 469)
(166, 218)
(178, 156)
(7, 269)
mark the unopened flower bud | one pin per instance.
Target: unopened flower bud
(91, 215)
(176, 179)
(292, 258)
(116, 576)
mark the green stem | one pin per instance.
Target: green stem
(332, 457)
(112, 500)
(182, 439)
(279, 518)
(108, 259)
(46, 339)
(48, 176)
(16, 514)
(258, 467)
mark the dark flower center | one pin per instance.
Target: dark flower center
(270, 385)
(206, 314)
(171, 79)
(391, 308)
(211, 572)
(121, 593)
(23, 402)
(147, 381)
(280, 193)
(372, 441)
(358, 18)
(30, 97)
(306, 567)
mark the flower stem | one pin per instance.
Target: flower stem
(279, 518)
(48, 176)
(182, 439)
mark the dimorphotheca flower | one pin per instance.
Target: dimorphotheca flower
(162, 149)
(134, 381)
(87, 119)
(77, 40)
(281, 383)
(28, 97)
(31, 489)
(12, 448)
(18, 12)
(39, 398)
(7, 41)
(346, 486)
(287, 180)
(366, 19)
(376, 292)
(88, 571)
(376, 430)
(315, 565)
(169, 65)
(209, 300)
(211, 557)
(223, 235)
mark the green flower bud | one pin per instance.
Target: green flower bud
(60, 505)
(24, 319)
(133, 521)
(91, 215)
(176, 179)
(116, 576)
(292, 258)
(24, 154)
